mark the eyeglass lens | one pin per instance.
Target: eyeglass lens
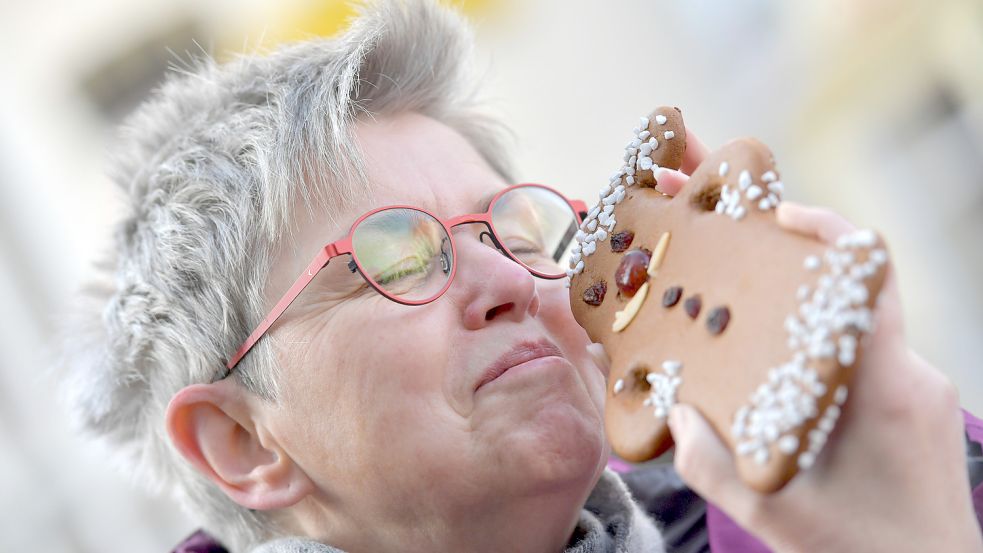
(536, 225)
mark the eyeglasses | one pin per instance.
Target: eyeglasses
(408, 254)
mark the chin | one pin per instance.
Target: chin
(559, 445)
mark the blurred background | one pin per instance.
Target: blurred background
(872, 107)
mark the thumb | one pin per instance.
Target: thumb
(707, 466)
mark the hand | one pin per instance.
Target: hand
(891, 478)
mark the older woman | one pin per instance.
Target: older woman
(306, 372)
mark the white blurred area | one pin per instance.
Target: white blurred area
(872, 107)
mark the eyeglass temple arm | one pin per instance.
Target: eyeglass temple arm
(318, 263)
(580, 207)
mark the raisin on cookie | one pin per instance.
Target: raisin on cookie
(702, 298)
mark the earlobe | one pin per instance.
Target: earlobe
(213, 428)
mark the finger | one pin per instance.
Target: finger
(816, 222)
(888, 313)
(600, 357)
(670, 182)
(706, 464)
(695, 153)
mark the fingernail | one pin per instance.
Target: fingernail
(658, 175)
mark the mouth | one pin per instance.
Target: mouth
(522, 352)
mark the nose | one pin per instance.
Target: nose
(489, 285)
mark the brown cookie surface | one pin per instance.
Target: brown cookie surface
(757, 327)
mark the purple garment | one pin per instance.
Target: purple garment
(200, 542)
(727, 537)
(974, 429)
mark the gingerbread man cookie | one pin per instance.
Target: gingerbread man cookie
(702, 298)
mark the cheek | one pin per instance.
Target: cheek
(555, 312)
(557, 317)
(375, 378)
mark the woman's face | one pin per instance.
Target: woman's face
(380, 401)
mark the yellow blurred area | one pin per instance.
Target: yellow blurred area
(286, 22)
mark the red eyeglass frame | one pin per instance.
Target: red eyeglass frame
(344, 247)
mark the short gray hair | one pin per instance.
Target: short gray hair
(212, 166)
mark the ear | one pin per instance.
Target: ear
(213, 427)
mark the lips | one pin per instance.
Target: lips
(522, 352)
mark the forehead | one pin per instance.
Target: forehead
(410, 159)
(414, 159)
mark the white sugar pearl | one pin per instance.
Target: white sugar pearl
(776, 187)
(644, 135)
(764, 204)
(826, 424)
(744, 180)
(768, 176)
(739, 212)
(661, 119)
(643, 122)
(788, 444)
(672, 366)
(720, 207)
(839, 397)
(618, 386)
(754, 192)
(724, 167)
(743, 448)
(806, 460)
(601, 234)
(645, 163)
(802, 294)
(761, 456)
(668, 135)
(812, 263)
(865, 238)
